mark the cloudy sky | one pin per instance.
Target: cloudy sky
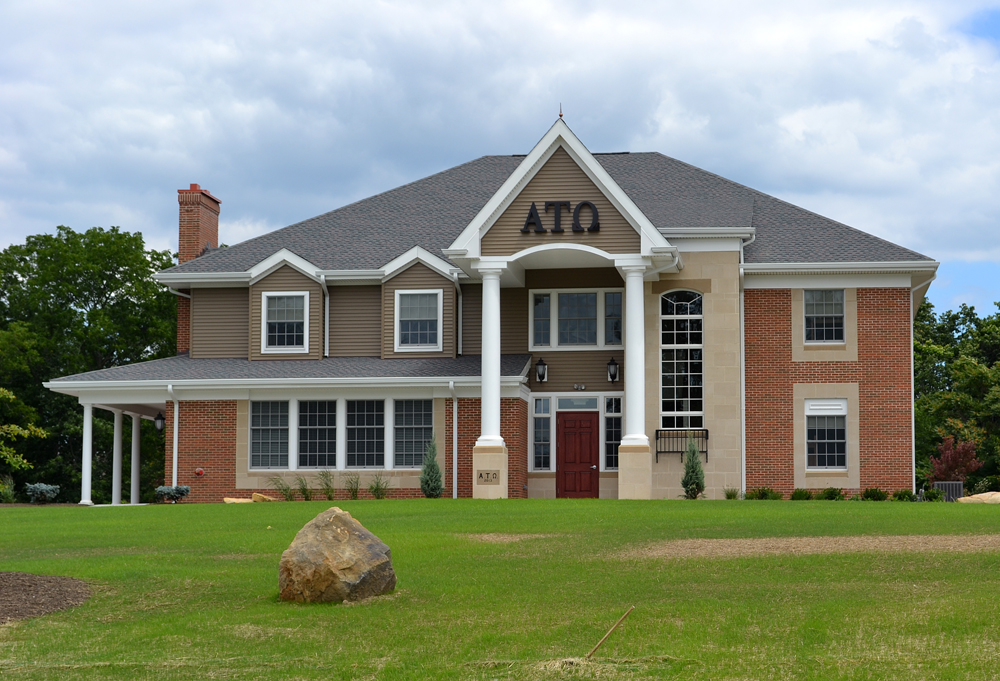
(881, 114)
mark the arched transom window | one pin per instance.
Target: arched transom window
(681, 366)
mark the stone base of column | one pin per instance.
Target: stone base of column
(635, 472)
(489, 472)
(88, 502)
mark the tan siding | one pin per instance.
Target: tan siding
(219, 322)
(586, 367)
(513, 321)
(355, 321)
(472, 319)
(286, 278)
(560, 180)
(418, 276)
(597, 277)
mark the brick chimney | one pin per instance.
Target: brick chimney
(199, 222)
(199, 228)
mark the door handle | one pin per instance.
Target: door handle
(593, 468)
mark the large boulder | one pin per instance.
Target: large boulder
(334, 558)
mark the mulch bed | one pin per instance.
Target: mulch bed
(24, 595)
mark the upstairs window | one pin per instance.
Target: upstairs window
(681, 360)
(418, 320)
(824, 316)
(542, 318)
(286, 322)
(575, 319)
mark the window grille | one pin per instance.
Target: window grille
(577, 319)
(366, 433)
(826, 441)
(824, 313)
(418, 319)
(681, 361)
(286, 321)
(413, 432)
(318, 434)
(269, 435)
(613, 318)
(542, 441)
(543, 318)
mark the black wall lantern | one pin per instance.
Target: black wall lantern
(613, 371)
(541, 371)
(159, 421)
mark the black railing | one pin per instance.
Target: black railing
(676, 441)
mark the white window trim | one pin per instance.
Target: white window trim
(292, 432)
(833, 406)
(286, 350)
(440, 320)
(553, 409)
(701, 346)
(843, 317)
(336, 426)
(554, 320)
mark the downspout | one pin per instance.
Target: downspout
(454, 440)
(743, 374)
(913, 387)
(326, 316)
(178, 293)
(177, 415)
(458, 293)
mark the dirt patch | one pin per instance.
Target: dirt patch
(24, 595)
(774, 546)
(501, 538)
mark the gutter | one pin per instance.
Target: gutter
(913, 401)
(326, 316)
(454, 440)
(178, 293)
(841, 267)
(743, 372)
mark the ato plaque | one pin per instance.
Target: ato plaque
(487, 477)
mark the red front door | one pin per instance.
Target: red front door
(577, 475)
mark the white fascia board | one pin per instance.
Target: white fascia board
(905, 266)
(351, 275)
(559, 135)
(822, 280)
(422, 255)
(202, 279)
(707, 232)
(283, 257)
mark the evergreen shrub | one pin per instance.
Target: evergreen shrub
(874, 494)
(832, 494)
(801, 495)
(430, 474)
(693, 481)
(903, 495)
(40, 493)
(172, 494)
(764, 494)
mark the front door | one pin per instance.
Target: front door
(577, 475)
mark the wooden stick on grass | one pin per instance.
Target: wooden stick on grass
(609, 632)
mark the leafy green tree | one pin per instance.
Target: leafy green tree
(693, 481)
(72, 302)
(430, 475)
(10, 432)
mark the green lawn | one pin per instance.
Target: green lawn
(190, 591)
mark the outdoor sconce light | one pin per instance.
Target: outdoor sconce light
(541, 371)
(613, 371)
(159, 421)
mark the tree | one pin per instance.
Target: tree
(693, 481)
(430, 474)
(72, 302)
(956, 461)
(10, 432)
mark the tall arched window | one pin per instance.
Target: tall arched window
(681, 366)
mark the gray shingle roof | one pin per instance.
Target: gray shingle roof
(432, 212)
(183, 368)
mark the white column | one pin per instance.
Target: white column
(176, 429)
(136, 442)
(116, 460)
(88, 454)
(490, 428)
(390, 434)
(635, 350)
(293, 435)
(341, 434)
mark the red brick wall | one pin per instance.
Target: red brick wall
(882, 373)
(513, 429)
(183, 323)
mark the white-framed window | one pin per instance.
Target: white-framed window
(318, 434)
(824, 316)
(418, 326)
(542, 434)
(575, 319)
(542, 426)
(612, 431)
(681, 360)
(413, 431)
(284, 317)
(365, 425)
(269, 435)
(826, 434)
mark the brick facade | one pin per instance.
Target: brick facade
(883, 373)
(183, 323)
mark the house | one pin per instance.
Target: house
(560, 323)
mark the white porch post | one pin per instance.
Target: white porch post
(489, 456)
(136, 442)
(116, 460)
(88, 454)
(635, 461)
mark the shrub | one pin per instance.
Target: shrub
(956, 461)
(327, 484)
(990, 483)
(172, 494)
(874, 494)
(693, 481)
(764, 494)
(933, 494)
(40, 493)
(282, 487)
(303, 486)
(800, 494)
(832, 494)
(7, 494)
(352, 483)
(731, 492)
(379, 486)
(430, 475)
(902, 495)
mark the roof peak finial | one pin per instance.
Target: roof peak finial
(560, 109)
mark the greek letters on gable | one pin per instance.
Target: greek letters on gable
(558, 206)
(595, 225)
(534, 219)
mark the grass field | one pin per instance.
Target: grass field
(190, 592)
